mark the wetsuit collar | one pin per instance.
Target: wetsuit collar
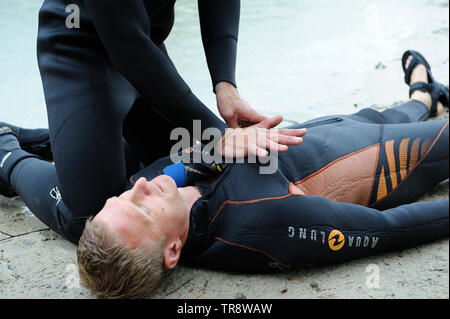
(198, 233)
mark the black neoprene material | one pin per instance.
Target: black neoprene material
(131, 31)
(110, 86)
(129, 36)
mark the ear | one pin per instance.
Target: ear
(172, 253)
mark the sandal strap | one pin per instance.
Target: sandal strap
(439, 94)
(444, 96)
(409, 70)
(416, 60)
(429, 88)
(420, 86)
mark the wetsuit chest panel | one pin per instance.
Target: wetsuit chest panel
(337, 181)
(231, 187)
(328, 139)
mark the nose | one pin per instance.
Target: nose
(140, 188)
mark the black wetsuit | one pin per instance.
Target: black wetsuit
(110, 88)
(343, 194)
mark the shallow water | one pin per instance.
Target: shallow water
(295, 57)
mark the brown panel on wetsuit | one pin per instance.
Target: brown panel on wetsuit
(348, 179)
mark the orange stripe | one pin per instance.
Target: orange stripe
(382, 189)
(403, 157)
(425, 146)
(231, 202)
(414, 156)
(391, 161)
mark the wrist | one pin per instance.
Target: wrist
(226, 88)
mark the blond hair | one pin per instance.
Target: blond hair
(110, 269)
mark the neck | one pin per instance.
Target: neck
(190, 195)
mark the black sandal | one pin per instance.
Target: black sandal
(438, 92)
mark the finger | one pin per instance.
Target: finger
(270, 122)
(300, 132)
(232, 122)
(251, 116)
(243, 123)
(268, 140)
(287, 139)
(274, 146)
(255, 150)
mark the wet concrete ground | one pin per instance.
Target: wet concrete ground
(37, 263)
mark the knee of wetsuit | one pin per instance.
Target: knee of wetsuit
(373, 116)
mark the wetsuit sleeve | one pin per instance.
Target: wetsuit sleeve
(307, 231)
(124, 29)
(320, 231)
(219, 21)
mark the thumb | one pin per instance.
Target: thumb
(250, 115)
(233, 122)
(270, 122)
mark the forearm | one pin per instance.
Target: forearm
(220, 27)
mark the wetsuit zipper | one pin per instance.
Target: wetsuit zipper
(221, 178)
(323, 122)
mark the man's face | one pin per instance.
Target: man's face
(150, 210)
